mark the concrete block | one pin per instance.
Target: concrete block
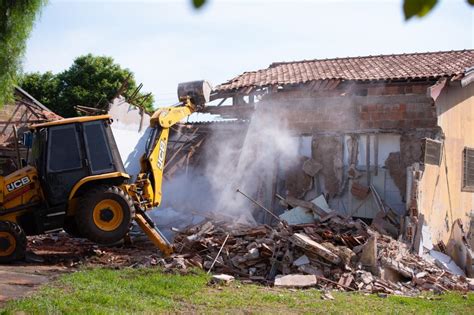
(222, 279)
(295, 281)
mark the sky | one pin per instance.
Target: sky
(167, 42)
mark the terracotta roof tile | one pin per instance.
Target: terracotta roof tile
(368, 68)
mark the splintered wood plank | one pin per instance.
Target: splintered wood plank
(306, 243)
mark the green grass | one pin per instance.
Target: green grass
(106, 291)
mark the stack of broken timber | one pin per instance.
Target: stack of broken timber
(338, 253)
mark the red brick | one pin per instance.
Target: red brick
(375, 116)
(396, 115)
(364, 124)
(419, 89)
(391, 90)
(364, 116)
(395, 108)
(375, 90)
(371, 107)
(400, 123)
(388, 124)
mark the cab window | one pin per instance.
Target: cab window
(98, 149)
(63, 149)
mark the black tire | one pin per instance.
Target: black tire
(70, 227)
(105, 224)
(12, 242)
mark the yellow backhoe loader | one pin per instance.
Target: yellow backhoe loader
(76, 180)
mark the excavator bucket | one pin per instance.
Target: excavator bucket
(198, 91)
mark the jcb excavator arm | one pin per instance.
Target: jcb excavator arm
(147, 189)
(153, 161)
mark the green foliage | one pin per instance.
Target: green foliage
(198, 3)
(151, 291)
(16, 23)
(417, 7)
(91, 81)
(43, 86)
(471, 2)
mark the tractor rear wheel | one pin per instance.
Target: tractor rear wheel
(12, 242)
(105, 214)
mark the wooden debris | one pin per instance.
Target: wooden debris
(338, 254)
(311, 246)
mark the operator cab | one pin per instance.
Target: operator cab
(68, 150)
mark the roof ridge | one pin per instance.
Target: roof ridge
(278, 63)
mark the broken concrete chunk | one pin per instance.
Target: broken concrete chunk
(343, 252)
(306, 243)
(327, 296)
(364, 277)
(310, 270)
(295, 281)
(253, 253)
(311, 167)
(458, 249)
(222, 279)
(368, 257)
(426, 238)
(303, 260)
(320, 249)
(400, 268)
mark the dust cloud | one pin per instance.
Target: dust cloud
(247, 160)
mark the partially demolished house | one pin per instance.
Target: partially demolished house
(386, 138)
(18, 115)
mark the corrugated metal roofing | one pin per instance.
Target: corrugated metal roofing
(368, 68)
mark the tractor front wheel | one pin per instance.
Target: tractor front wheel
(12, 242)
(105, 214)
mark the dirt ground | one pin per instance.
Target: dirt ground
(52, 255)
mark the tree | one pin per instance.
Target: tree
(91, 81)
(43, 86)
(16, 23)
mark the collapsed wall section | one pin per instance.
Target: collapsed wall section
(362, 135)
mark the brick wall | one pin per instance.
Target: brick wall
(396, 106)
(415, 115)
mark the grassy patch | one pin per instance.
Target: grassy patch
(105, 291)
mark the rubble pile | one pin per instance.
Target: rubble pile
(338, 253)
(63, 250)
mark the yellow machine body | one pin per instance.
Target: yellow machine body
(20, 191)
(70, 183)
